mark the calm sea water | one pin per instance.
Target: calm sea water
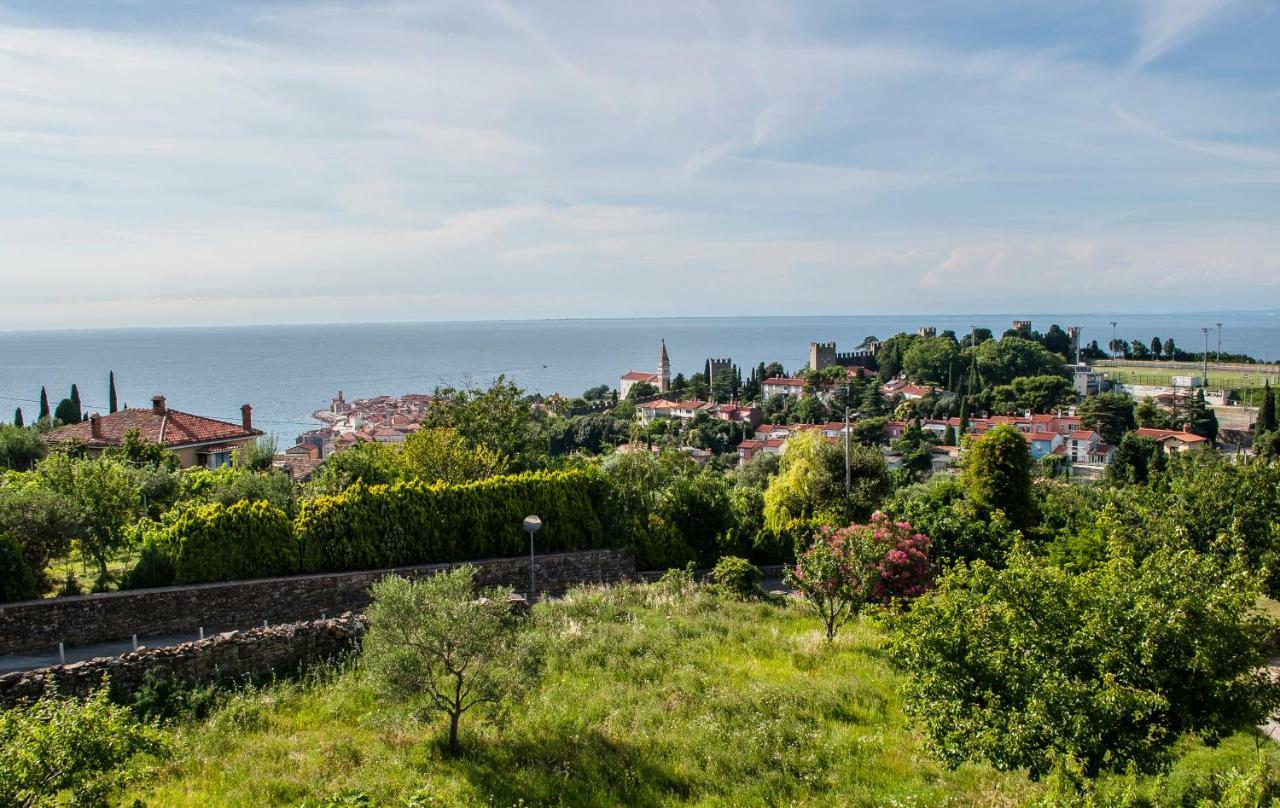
(287, 372)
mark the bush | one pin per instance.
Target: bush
(225, 543)
(737, 577)
(412, 522)
(154, 567)
(17, 580)
(58, 745)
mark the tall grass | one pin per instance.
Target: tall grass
(651, 697)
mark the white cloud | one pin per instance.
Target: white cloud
(455, 160)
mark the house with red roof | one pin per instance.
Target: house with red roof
(195, 439)
(1173, 440)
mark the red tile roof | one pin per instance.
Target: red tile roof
(639, 376)
(171, 428)
(779, 381)
(1164, 434)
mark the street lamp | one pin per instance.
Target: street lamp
(531, 526)
(1205, 380)
(1113, 339)
(1218, 357)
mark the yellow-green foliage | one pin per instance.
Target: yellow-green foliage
(413, 522)
(225, 542)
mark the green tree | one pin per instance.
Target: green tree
(442, 454)
(111, 392)
(371, 462)
(1266, 412)
(18, 581)
(932, 361)
(498, 417)
(872, 404)
(433, 644)
(1026, 665)
(915, 446)
(1110, 415)
(41, 521)
(960, 529)
(105, 493)
(1200, 419)
(20, 447)
(66, 412)
(1033, 393)
(44, 404)
(75, 398)
(641, 390)
(1155, 347)
(697, 505)
(1149, 414)
(997, 474)
(810, 484)
(17, 416)
(137, 451)
(1057, 341)
(1000, 362)
(1135, 459)
(1170, 350)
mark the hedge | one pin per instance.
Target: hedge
(413, 522)
(218, 542)
(374, 527)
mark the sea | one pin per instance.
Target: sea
(287, 372)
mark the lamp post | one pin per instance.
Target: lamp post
(531, 526)
(848, 469)
(1218, 354)
(1113, 339)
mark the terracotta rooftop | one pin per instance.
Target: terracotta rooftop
(158, 424)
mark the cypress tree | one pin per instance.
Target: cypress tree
(111, 394)
(1266, 413)
(964, 416)
(75, 399)
(17, 416)
(44, 404)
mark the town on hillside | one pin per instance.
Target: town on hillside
(914, 396)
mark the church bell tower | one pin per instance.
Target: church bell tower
(664, 369)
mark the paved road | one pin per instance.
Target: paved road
(80, 653)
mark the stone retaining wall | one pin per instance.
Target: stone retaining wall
(230, 657)
(41, 624)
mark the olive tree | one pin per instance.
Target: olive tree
(436, 646)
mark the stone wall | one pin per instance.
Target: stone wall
(230, 657)
(41, 624)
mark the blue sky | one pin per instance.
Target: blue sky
(236, 162)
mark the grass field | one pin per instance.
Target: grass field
(647, 700)
(1231, 379)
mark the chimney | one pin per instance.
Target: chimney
(246, 417)
(95, 426)
(157, 405)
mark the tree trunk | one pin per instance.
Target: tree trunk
(453, 732)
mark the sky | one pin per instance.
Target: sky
(182, 162)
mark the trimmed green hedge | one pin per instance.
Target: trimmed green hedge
(368, 527)
(227, 542)
(373, 527)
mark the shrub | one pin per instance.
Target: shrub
(905, 571)
(1026, 665)
(413, 522)
(154, 567)
(227, 542)
(737, 577)
(60, 745)
(17, 580)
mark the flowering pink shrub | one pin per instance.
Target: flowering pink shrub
(905, 571)
(844, 568)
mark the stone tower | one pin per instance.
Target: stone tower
(821, 355)
(927, 331)
(1073, 331)
(664, 369)
(718, 368)
(1021, 325)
